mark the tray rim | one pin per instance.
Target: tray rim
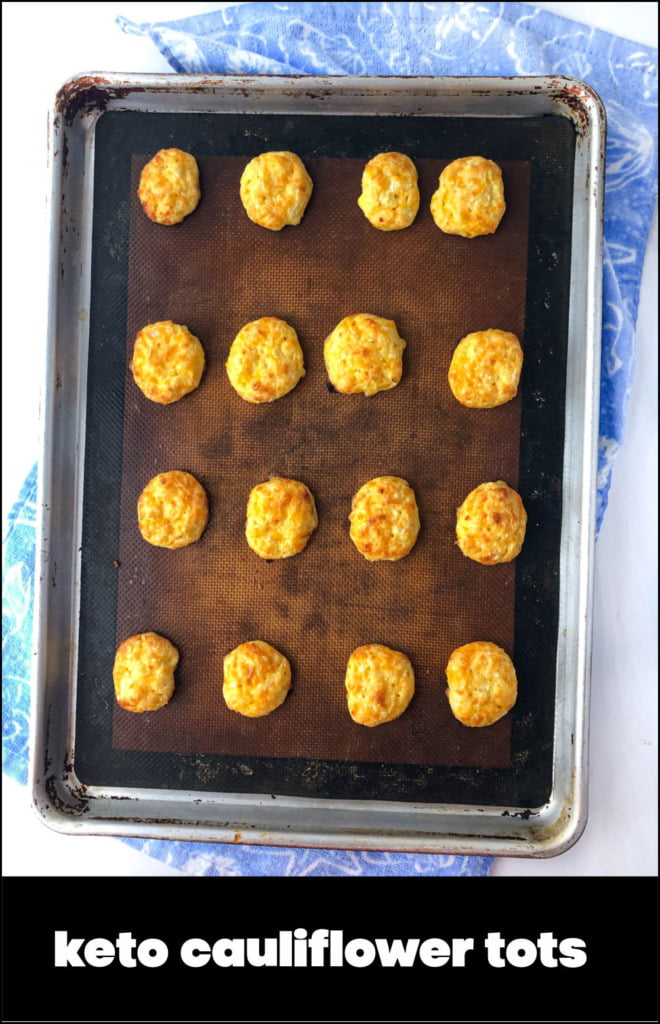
(58, 798)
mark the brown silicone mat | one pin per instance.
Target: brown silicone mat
(217, 271)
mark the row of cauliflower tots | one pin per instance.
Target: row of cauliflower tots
(275, 188)
(363, 355)
(384, 519)
(379, 682)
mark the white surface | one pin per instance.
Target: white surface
(621, 835)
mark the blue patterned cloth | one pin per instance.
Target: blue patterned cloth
(18, 550)
(391, 39)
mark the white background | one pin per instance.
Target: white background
(44, 45)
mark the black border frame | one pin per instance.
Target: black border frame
(548, 143)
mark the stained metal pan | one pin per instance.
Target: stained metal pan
(519, 790)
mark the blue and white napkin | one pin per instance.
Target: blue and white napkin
(391, 39)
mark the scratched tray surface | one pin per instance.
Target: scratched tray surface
(215, 272)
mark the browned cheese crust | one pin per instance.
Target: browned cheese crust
(491, 524)
(256, 679)
(380, 683)
(168, 361)
(384, 519)
(265, 361)
(364, 355)
(169, 186)
(482, 683)
(281, 517)
(469, 200)
(485, 369)
(275, 189)
(143, 672)
(390, 195)
(173, 510)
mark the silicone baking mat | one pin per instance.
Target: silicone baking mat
(215, 272)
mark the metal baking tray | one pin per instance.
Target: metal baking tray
(536, 805)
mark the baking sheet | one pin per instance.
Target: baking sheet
(80, 781)
(215, 272)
